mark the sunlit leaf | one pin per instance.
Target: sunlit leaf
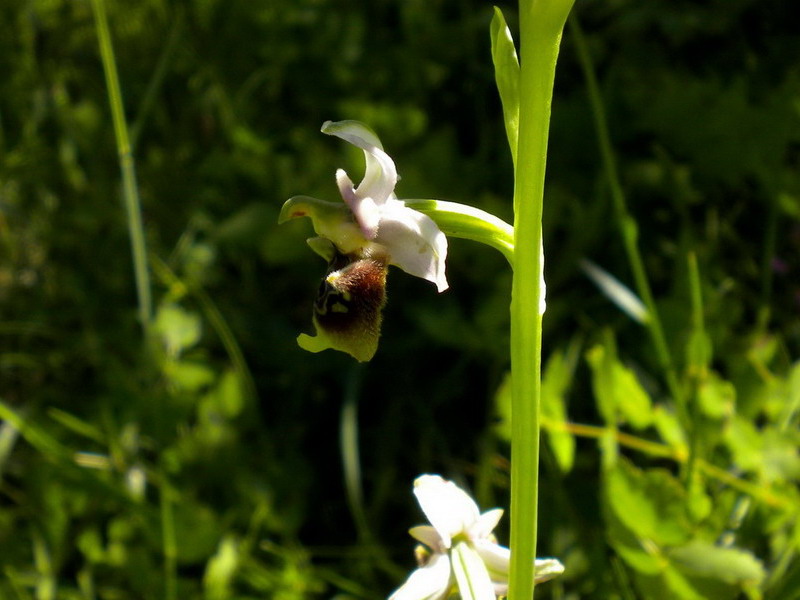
(730, 565)
(669, 427)
(179, 329)
(190, 375)
(771, 453)
(617, 390)
(649, 503)
(221, 569)
(716, 397)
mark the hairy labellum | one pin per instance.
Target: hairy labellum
(347, 311)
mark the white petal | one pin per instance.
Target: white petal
(486, 523)
(498, 562)
(415, 243)
(448, 508)
(428, 536)
(496, 558)
(431, 582)
(380, 176)
(547, 568)
(365, 210)
(354, 132)
(470, 573)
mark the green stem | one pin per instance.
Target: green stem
(130, 191)
(168, 540)
(626, 223)
(541, 25)
(680, 455)
(699, 357)
(469, 223)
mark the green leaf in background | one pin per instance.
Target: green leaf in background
(502, 406)
(792, 405)
(506, 73)
(226, 399)
(699, 504)
(189, 375)
(178, 328)
(786, 587)
(556, 380)
(221, 569)
(730, 565)
(603, 384)
(669, 428)
(770, 453)
(616, 389)
(197, 529)
(648, 528)
(698, 351)
(716, 397)
(648, 503)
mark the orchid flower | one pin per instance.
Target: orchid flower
(360, 238)
(460, 552)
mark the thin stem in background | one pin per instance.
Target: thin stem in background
(626, 223)
(351, 457)
(759, 492)
(130, 190)
(157, 79)
(541, 25)
(168, 540)
(699, 357)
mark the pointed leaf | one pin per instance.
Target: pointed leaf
(616, 291)
(506, 73)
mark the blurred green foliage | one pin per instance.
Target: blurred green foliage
(205, 462)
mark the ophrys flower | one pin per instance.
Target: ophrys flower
(362, 236)
(461, 552)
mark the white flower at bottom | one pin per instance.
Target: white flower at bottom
(463, 552)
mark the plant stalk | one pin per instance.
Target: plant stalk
(130, 192)
(541, 25)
